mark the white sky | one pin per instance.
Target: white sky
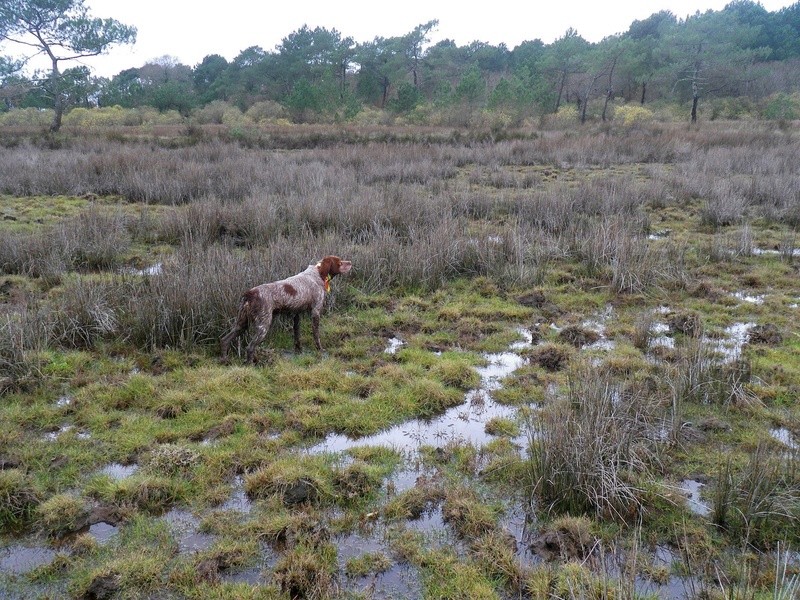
(189, 31)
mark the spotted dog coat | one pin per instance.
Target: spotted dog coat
(297, 294)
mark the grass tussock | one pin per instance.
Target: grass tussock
(61, 514)
(19, 499)
(589, 449)
(293, 480)
(758, 504)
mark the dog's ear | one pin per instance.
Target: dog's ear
(333, 265)
(325, 267)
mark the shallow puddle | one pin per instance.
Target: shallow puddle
(394, 345)
(20, 559)
(691, 489)
(63, 401)
(52, 436)
(119, 471)
(785, 437)
(674, 588)
(659, 235)
(771, 251)
(598, 324)
(154, 269)
(465, 423)
(102, 532)
(184, 526)
(731, 344)
(249, 576)
(757, 299)
(238, 500)
(521, 525)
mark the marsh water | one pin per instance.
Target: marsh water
(465, 423)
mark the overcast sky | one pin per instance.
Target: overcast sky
(190, 31)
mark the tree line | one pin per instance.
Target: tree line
(320, 74)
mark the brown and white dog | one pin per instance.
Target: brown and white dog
(299, 293)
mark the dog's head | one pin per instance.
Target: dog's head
(330, 266)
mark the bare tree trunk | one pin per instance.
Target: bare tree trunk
(561, 89)
(55, 89)
(57, 116)
(58, 96)
(385, 95)
(696, 83)
(644, 91)
(610, 92)
(609, 95)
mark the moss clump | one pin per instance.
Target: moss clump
(296, 480)
(171, 459)
(566, 538)
(496, 554)
(62, 514)
(367, 564)
(412, 503)
(307, 571)
(150, 493)
(357, 481)
(502, 426)
(551, 357)
(467, 514)
(456, 372)
(577, 336)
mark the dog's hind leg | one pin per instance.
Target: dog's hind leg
(261, 330)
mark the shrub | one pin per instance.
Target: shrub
(106, 116)
(633, 114)
(567, 115)
(87, 313)
(758, 504)
(265, 111)
(26, 116)
(781, 106)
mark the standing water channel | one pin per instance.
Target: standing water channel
(464, 423)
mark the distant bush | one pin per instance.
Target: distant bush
(781, 107)
(38, 117)
(266, 111)
(732, 109)
(633, 114)
(98, 117)
(218, 112)
(567, 115)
